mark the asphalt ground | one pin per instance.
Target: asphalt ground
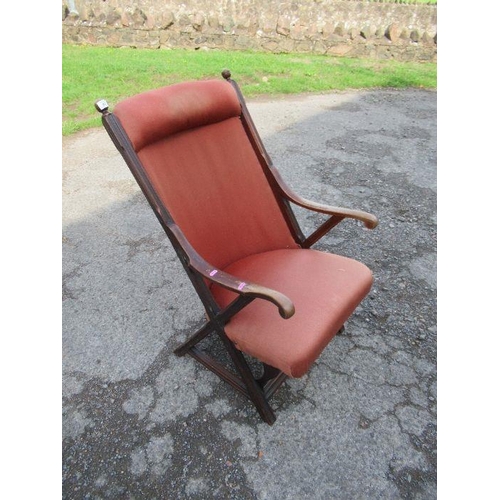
(140, 423)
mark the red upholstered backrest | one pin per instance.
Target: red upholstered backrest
(196, 153)
(154, 115)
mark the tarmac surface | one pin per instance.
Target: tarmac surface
(140, 423)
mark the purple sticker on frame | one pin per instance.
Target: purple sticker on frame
(241, 285)
(214, 272)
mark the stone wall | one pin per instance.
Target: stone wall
(353, 28)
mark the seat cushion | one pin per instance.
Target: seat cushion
(325, 290)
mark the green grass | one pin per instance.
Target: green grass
(91, 73)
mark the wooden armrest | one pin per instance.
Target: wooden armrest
(337, 213)
(230, 282)
(245, 288)
(368, 219)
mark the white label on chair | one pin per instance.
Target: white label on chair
(241, 285)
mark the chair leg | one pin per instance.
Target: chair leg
(269, 373)
(271, 380)
(255, 391)
(203, 332)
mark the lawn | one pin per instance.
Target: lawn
(91, 73)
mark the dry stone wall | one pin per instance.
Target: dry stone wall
(353, 28)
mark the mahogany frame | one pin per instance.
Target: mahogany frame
(200, 272)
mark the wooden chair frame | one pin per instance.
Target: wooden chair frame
(200, 272)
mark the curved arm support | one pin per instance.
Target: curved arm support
(228, 281)
(369, 220)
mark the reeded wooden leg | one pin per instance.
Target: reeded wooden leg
(203, 332)
(255, 391)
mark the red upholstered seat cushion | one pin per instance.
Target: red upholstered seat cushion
(325, 290)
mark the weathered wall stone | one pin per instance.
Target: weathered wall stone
(355, 28)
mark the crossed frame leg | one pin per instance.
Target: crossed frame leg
(260, 390)
(257, 390)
